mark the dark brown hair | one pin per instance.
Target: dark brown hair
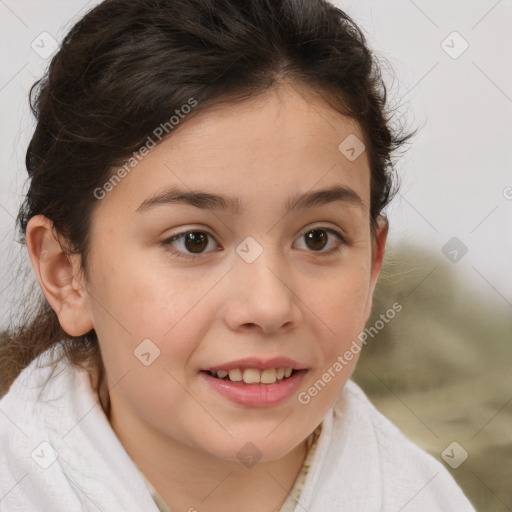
(128, 65)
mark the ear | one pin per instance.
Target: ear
(379, 245)
(59, 276)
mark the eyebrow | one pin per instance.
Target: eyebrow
(209, 201)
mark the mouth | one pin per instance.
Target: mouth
(243, 376)
(254, 381)
(254, 387)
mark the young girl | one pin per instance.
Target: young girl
(204, 218)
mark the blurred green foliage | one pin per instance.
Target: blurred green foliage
(441, 369)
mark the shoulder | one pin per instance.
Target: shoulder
(28, 409)
(58, 449)
(406, 472)
(32, 391)
(47, 399)
(31, 385)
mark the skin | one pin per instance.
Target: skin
(215, 308)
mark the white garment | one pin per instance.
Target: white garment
(362, 462)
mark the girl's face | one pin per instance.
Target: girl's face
(184, 283)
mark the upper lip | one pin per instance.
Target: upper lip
(260, 364)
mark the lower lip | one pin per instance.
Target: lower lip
(256, 395)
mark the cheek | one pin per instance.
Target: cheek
(341, 297)
(167, 307)
(340, 305)
(148, 337)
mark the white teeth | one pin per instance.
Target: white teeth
(268, 376)
(251, 376)
(235, 375)
(255, 376)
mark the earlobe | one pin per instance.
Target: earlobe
(58, 276)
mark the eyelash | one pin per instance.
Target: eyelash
(180, 254)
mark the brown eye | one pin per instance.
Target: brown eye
(189, 243)
(316, 239)
(195, 241)
(322, 240)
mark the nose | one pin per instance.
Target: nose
(262, 297)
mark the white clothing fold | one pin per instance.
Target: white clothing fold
(58, 452)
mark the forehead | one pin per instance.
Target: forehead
(269, 148)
